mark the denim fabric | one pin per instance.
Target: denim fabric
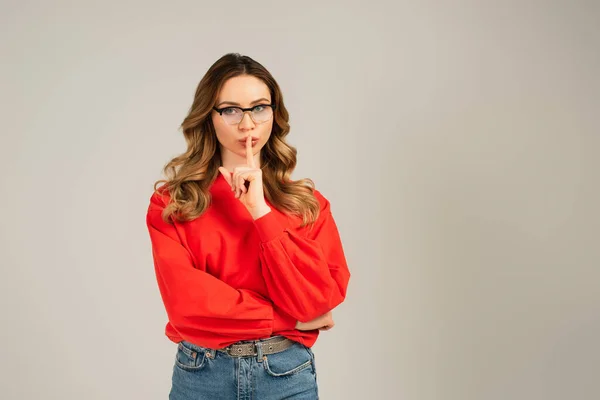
(203, 373)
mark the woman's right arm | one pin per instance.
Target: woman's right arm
(199, 304)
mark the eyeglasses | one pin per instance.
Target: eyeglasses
(234, 115)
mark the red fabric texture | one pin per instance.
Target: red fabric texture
(225, 277)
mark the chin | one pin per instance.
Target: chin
(242, 148)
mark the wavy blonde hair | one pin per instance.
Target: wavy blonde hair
(190, 175)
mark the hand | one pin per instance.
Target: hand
(322, 323)
(251, 196)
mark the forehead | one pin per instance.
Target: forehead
(243, 89)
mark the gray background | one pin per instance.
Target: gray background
(457, 142)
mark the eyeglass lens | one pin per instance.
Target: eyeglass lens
(234, 115)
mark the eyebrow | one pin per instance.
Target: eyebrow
(238, 104)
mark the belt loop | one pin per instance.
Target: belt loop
(213, 353)
(259, 353)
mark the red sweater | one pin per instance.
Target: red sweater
(225, 277)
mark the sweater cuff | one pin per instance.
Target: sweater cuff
(282, 321)
(268, 227)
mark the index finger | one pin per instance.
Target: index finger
(249, 155)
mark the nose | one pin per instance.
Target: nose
(246, 123)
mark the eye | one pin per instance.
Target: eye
(230, 111)
(259, 108)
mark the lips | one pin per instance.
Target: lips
(254, 139)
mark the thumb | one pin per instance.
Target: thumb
(226, 174)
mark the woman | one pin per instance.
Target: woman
(249, 263)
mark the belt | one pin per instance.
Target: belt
(269, 346)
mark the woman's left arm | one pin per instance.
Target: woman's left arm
(306, 276)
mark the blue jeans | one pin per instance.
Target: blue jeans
(203, 373)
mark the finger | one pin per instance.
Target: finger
(245, 182)
(240, 184)
(234, 181)
(249, 155)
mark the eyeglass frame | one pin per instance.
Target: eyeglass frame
(244, 110)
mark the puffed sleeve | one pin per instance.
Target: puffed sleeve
(306, 275)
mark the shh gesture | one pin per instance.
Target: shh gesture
(246, 181)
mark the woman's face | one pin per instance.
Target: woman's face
(241, 91)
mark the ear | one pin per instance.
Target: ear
(226, 174)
